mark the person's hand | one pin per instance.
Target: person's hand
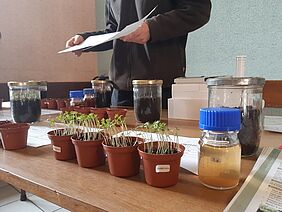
(140, 35)
(75, 40)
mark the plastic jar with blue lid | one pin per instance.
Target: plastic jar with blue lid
(220, 151)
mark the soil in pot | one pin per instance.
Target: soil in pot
(26, 110)
(14, 135)
(147, 109)
(89, 153)
(124, 161)
(161, 170)
(62, 146)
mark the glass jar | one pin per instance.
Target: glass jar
(103, 92)
(147, 95)
(220, 152)
(25, 100)
(76, 98)
(244, 93)
(89, 98)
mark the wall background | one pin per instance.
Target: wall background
(251, 28)
(34, 31)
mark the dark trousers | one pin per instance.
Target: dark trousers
(125, 98)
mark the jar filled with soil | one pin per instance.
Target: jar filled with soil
(147, 100)
(103, 91)
(244, 93)
(25, 100)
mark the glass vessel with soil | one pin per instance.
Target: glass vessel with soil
(147, 100)
(103, 91)
(244, 93)
(25, 100)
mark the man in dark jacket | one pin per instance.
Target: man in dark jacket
(156, 50)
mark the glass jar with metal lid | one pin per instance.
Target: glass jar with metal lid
(244, 93)
(103, 91)
(147, 100)
(25, 100)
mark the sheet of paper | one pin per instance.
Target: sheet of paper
(99, 39)
(262, 190)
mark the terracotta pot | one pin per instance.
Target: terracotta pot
(2, 123)
(60, 103)
(43, 104)
(51, 103)
(67, 102)
(100, 112)
(161, 170)
(111, 112)
(14, 135)
(90, 154)
(123, 161)
(62, 146)
(67, 109)
(83, 110)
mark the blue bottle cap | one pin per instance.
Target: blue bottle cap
(88, 91)
(220, 119)
(76, 94)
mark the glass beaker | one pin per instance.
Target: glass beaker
(147, 100)
(25, 100)
(244, 93)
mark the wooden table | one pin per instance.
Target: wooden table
(78, 189)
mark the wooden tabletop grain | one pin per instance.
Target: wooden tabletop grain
(79, 189)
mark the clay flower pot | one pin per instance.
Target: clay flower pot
(123, 161)
(51, 103)
(67, 109)
(14, 135)
(2, 123)
(90, 153)
(60, 103)
(161, 170)
(112, 112)
(83, 110)
(43, 104)
(100, 112)
(62, 146)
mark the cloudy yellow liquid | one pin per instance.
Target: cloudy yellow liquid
(219, 167)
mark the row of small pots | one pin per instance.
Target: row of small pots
(55, 104)
(161, 170)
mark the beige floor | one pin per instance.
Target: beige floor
(10, 201)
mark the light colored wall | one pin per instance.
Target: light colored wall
(34, 31)
(252, 28)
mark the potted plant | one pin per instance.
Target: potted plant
(88, 143)
(61, 138)
(13, 135)
(113, 112)
(161, 156)
(100, 112)
(121, 150)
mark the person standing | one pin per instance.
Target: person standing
(156, 50)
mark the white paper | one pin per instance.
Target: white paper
(266, 177)
(99, 39)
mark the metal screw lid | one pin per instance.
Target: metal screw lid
(147, 82)
(236, 81)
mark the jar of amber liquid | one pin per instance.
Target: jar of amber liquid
(220, 151)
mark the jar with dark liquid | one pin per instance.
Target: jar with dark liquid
(103, 92)
(25, 100)
(244, 93)
(147, 100)
(89, 97)
(220, 152)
